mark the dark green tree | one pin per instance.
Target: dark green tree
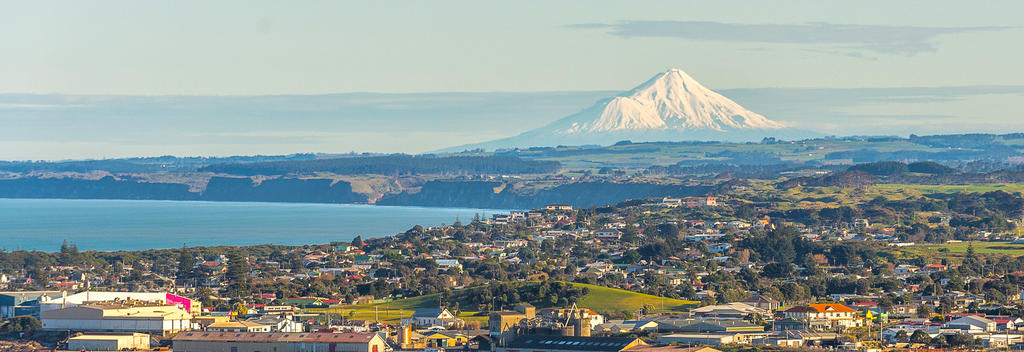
(902, 336)
(20, 323)
(920, 337)
(238, 274)
(186, 265)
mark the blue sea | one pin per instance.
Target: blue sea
(107, 225)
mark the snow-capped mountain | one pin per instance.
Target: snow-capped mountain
(671, 106)
(670, 100)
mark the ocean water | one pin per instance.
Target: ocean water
(43, 224)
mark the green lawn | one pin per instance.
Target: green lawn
(821, 197)
(605, 299)
(975, 188)
(957, 250)
(979, 248)
(600, 299)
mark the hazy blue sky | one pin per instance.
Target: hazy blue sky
(315, 47)
(272, 47)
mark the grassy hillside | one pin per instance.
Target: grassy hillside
(927, 189)
(607, 300)
(822, 197)
(957, 250)
(600, 299)
(390, 311)
(645, 154)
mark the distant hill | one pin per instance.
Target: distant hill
(581, 176)
(393, 165)
(142, 164)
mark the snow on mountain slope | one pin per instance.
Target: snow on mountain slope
(670, 100)
(671, 106)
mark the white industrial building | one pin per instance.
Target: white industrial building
(110, 317)
(71, 300)
(111, 342)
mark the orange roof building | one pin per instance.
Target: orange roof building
(831, 315)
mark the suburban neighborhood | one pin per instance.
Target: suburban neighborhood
(667, 274)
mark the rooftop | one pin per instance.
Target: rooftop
(274, 337)
(234, 324)
(568, 343)
(822, 308)
(106, 336)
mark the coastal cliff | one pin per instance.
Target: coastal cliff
(496, 195)
(218, 189)
(437, 193)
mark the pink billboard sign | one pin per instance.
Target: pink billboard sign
(183, 302)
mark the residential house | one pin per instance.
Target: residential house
(432, 317)
(904, 269)
(719, 247)
(1005, 323)
(830, 315)
(703, 237)
(670, 202)
(304, 302)
(904, 309)
(608, 234)
(279, 323)
(448, 263)
(558, 207)
(764, 302)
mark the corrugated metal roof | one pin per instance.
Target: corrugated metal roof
(324, 337)
(602, 344)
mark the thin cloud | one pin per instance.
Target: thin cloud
(899, 40)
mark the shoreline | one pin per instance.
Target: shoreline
(36, 224)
